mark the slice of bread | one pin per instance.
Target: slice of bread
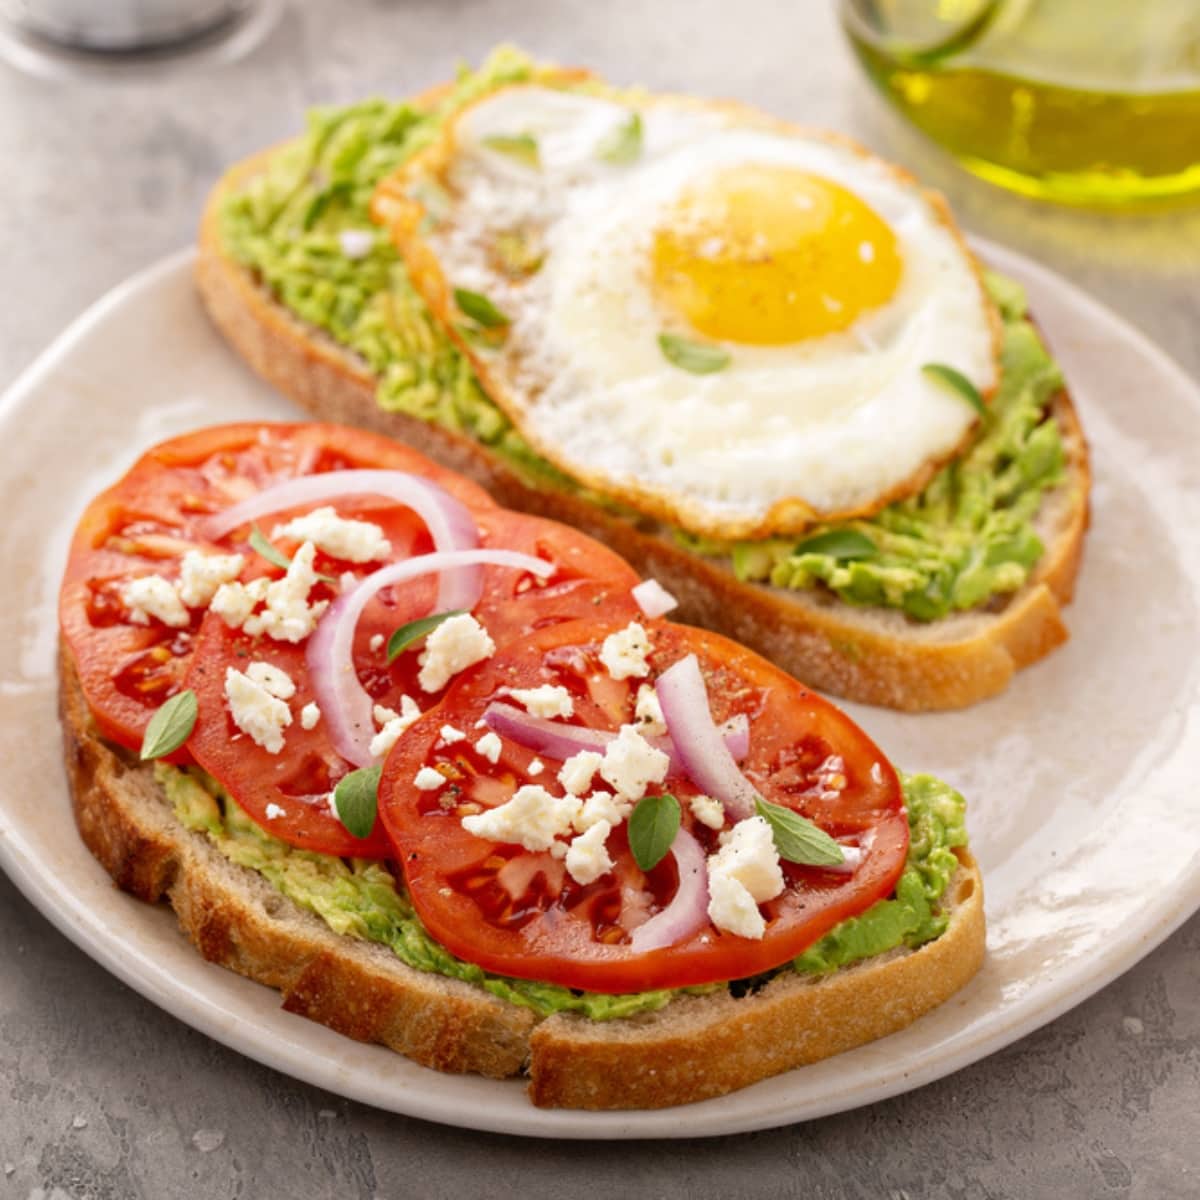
(695, 1048)
(873, 655)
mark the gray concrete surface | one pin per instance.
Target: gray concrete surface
(104, 1096)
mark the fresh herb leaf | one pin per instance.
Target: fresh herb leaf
(624, 144)
(697, 357)
(170, 727)
(652, 828)
(521, 146)
(480, 309)
(265, 549)
(957, 382)
(797, 839)
(839, 544)
(404, 637)
(356, 799)
(276, 557)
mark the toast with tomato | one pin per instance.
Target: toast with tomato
(446, 776)
(933, 603)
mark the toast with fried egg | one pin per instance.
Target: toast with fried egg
(864, 651)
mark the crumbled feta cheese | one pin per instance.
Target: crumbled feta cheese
(578, 770)
(624, 652)
(349, 540)
(707, 811)
(648, 712)
(588, 857)
(255, 711)
(276, 681)
(153, 596)
(549, 700)
(533, 818)
(288, 616)
(234, 602)
(356, 243)
(741, 875)
(200, 575)
(536, 767)
(457, 643)
(602, 806)
(489, 747)
(631, 764)
(376, 643)
(429, 780)
(392, 725)
(310, 714)
(450, 735)
(273, 811)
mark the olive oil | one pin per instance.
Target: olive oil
(1081, 101)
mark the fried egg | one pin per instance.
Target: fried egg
(704, 313)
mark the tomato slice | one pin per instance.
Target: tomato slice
(521, 914)
(288, 793)
(144, 525)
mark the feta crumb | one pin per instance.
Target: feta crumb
(288, 616)
(255, 711)
(450, 735)
(392, 725)
(457, 643)
(548, 701)
(275, 680)
(349, 540)
(356, 243)
(578, 770)
(376, 643)
(234, 602)
(536, 767)
(153, 596)
(489, 747)
(588, 857)
(631, 764)
(624, 652)
(602, 806)
(707, 811)
(429, 780)
(200, 575)
(310, 714)
(533, 818)
(274, 811)
(741, 875)
(648, 712)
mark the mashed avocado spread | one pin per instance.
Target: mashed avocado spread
(303, 226)
(360, 898)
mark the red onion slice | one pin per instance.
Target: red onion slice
(557, 740)
(345, 704)
(653, 599)
(448, 520)
(699, 745)
(688, 910)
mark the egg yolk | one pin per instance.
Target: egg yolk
(769, 255)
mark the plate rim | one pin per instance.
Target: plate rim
(111, 950)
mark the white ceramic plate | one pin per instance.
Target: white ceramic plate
(1084, 809)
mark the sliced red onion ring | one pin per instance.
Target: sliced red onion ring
(701, 749)
(688, 910)
(448, 520)
(345, 704)
(653, 599)
(556, 740)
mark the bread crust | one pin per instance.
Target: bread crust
(696, 1048)
(867, 655)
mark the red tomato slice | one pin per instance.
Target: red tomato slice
(146, 523)
(521, 914)
(294, 785)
